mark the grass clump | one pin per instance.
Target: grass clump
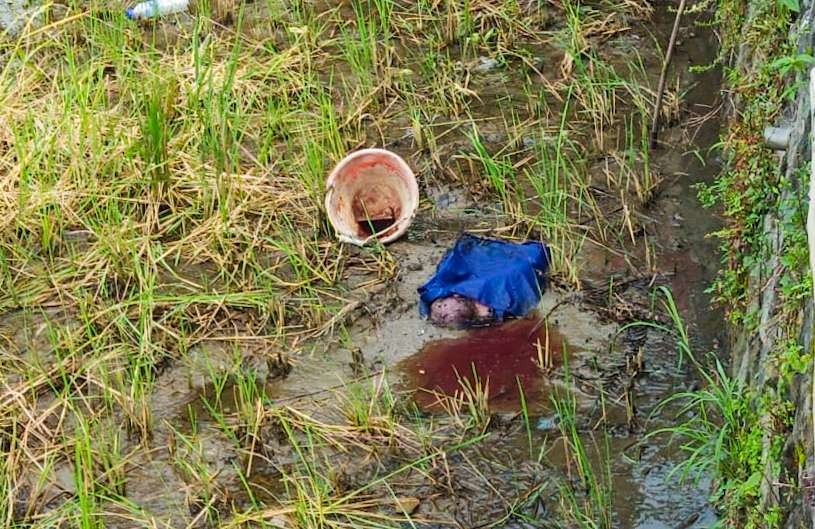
(731, 434)
(586, 497)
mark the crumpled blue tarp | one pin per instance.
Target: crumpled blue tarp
(506, 276)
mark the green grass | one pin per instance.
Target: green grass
(751, 185)
(737, 429)
(585, 497)
(162, 197)
(729, 432)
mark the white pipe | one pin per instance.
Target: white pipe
(777, 138)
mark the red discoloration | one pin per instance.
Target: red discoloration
(353, 170)
(372, 193)
(504, 356)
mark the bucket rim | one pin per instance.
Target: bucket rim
(404, 219)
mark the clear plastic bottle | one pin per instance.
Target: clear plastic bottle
(156, 8)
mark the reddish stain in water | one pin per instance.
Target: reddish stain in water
(503, 356)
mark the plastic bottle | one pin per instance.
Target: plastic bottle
(156, 8)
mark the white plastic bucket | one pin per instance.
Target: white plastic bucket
(371, 194)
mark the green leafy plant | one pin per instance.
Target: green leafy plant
(794, 63)
(792, 5)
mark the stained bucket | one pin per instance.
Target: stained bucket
(371, 194)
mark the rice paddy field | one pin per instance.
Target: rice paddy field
(185, 344)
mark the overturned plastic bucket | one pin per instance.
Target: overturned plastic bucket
(371, 194)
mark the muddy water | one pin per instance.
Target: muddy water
(661, 503)
(646, 494)
(628, 371)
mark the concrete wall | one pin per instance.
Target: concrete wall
(752, 352)
(13, 15)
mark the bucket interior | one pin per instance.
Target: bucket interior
(370, 196)
(375, 210)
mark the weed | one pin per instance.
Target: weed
(586, 504)
(723, 429)
(750, 186)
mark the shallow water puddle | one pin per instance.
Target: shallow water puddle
(500, 360)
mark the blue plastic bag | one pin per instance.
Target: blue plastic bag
(508, 277)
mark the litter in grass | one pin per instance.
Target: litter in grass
(371, 194)
(156, 8)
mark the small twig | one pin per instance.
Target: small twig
(664, 74)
